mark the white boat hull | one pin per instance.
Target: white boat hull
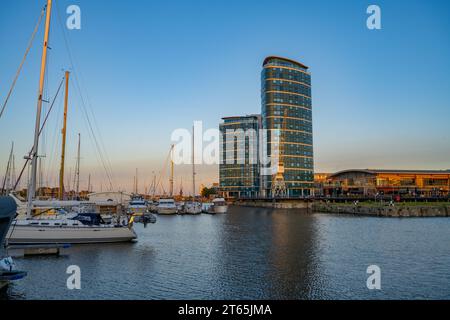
(193, 211)
(167, 211)
(20, 235)
(192, 208)
(220, 209)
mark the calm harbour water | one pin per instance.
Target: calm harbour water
(254, 254)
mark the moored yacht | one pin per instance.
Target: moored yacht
(220, 205)
(137, 206)
(152, 205)
(180, 206)
(192, 207)
(207, 207)
(167, 206)
(68, 227)
(139, 211)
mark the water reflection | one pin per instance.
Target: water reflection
(253, 253)
(293, 257)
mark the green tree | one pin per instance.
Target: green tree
(206, 192)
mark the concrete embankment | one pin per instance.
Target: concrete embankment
(276, 204)
(363, 209)
(398, 210)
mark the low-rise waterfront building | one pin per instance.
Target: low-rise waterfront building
(320, 179)
(369, 182)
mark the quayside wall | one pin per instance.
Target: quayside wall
(373, 210)
(435, 210)
(284, 203)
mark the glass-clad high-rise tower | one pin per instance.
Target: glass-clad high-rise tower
(286, 109)
(239, 168)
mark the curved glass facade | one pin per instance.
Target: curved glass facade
(286, 106)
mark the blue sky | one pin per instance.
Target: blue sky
(380, 98)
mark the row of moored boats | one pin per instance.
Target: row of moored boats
(77, 222)
(168, 206)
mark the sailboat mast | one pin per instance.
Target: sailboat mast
(136, 181)
(32, 186)
(193, 163)
(7, 179)
(13, 173)
(63, 150)
(154, 185)
(11, 169)
(78, 166)
(171, 170)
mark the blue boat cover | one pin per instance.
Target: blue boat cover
(7, 213)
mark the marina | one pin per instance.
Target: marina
(108, 193)
(253, 253)
(73, 225)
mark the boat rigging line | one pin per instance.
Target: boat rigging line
(30, 43)
(7, 180)
(162, 173)
(28, 158)
(100, 146)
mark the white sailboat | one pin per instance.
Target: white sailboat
(70, 227)
(168, 206)
(193, 207)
